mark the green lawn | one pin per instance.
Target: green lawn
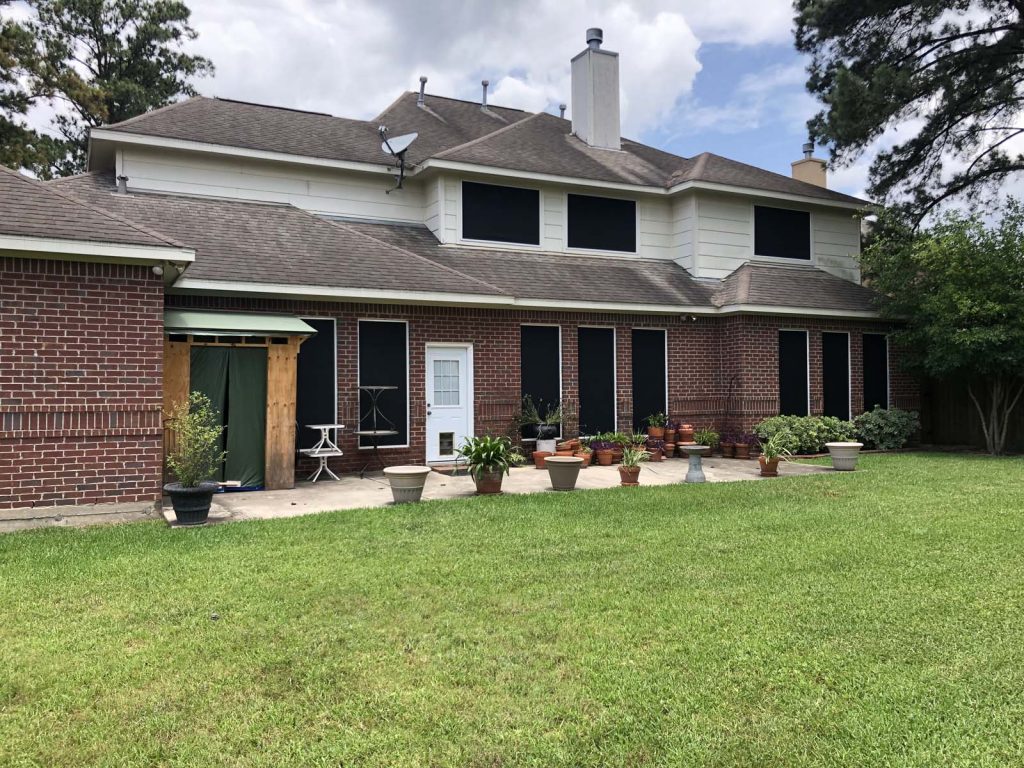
(873, 618)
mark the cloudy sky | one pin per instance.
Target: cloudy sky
(696, 76)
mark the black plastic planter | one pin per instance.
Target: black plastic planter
(191, 505)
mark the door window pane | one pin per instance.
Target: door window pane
(446, 382)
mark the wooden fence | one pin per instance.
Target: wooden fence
(948, 417)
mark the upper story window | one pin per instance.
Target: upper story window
(782, 232)
(602, 223)
(500, 214)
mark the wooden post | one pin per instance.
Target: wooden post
(282, 366)
(177, 370)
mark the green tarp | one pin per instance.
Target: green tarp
(235, 380)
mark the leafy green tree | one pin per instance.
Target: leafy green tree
(104, 61)
(958, 290)
(17, 140)
(953, 70)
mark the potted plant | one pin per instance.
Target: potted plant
(584, 452)
(727, 444)
(550, 424)
(489, 459)
(844, 455)
(539, 458)
(772, 451)
(656, 426)
(656, 449)
(743, 443)
(529, 419)
(685, 433)
(563, 471)
(194, 457)
(670, 431)
(629, 471)
(603, 451)
(706, 437)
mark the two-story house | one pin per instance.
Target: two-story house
(270, 258)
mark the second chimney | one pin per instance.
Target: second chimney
(810, 168)
(595, 94)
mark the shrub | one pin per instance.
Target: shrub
(196, 450)
(886, 430)
(489, 454)
(807, 434)
(706, 437)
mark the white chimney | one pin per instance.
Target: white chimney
(595, 94)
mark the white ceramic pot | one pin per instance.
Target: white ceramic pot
(563, 471)
(407, 482)
(844, 455)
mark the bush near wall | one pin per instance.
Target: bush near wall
(807, 434)
(886, 430)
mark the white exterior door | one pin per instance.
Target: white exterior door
(449, 400)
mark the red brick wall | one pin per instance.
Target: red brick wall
(81, 362)
(722, 372)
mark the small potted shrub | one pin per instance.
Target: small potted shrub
(656, 449)
(656, 426)
(727, 444)
(743, 443)
(706, 437)
(489, 459)
(584, 452)
(194, 458)
(629, 470)
(529, 419)
(670, 431)
(603, 451)
(774, 450)
(550, 424)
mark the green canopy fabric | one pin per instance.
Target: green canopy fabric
(200, 323)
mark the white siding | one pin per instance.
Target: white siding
(452, 210)
(655, 236)
(684, 222)
(837, 243)
(433, 205)
(725, 237)
(554, 236)
(328, 191)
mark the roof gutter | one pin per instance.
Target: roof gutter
(316, 292)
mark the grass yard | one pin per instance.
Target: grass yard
(874, 618)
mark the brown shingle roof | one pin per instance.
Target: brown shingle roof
(783, 285)
(30, 208)
(456, 130)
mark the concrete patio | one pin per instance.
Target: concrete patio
(353, 492)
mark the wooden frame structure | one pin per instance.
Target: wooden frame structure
(282, 367)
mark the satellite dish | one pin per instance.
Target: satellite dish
(399, 144)
(396, 147)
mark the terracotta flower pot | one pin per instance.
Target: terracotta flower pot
(586, 456)
(656, 433)
(769, 467)
(670, 449)
(489, 482)
(629, 475)
(670, 435)
(656, 455)
(564, 452)
(728, 450)
(604, 458)
(538, 458)
(616, 455)
(685, 433)
(742, 451)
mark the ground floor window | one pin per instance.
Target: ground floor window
(384, 362)
(316, 399)
(835, 374)
(793, 386)
(650, 383)
(596, 366)
(540, 366)
(876, 370)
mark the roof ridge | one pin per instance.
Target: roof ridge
(486, 136)
(95, 209)
(389, 107)
(405, 251)
(147, 113)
